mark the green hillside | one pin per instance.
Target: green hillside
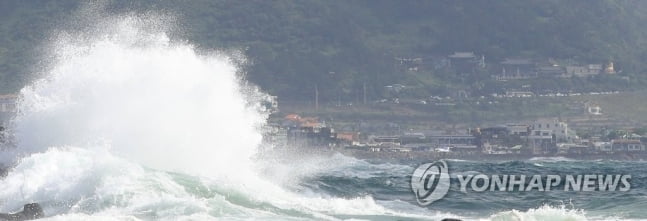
(340, 46)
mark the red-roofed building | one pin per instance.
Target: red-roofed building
(349, 137)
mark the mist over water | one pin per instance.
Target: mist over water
(127, 123)
(143, 96)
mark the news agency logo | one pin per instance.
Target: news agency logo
(431, 181)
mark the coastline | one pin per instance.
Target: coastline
(431, 156)
(417, 156)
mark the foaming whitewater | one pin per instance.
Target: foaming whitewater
(150, 100)
(130, 92)
(128, 124)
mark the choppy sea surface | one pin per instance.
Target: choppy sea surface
(126, 123)
(389, 185)
(78, 184)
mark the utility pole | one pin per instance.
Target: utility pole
(316, 97)
(364, 93)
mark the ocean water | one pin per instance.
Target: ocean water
(388, 183)
(127, 124)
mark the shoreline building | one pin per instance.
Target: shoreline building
(544, 134)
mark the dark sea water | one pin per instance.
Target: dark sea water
(80, 184)
(390, 182)
(127, 124)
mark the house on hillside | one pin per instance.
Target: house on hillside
(410, 64)
(465, 62)
(609, 68)
(583, 71)
(551, 71)
(516, 68)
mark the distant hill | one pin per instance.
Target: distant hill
(341, 46)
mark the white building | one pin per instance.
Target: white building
(603, 146)
(550, 128)
(518, 129)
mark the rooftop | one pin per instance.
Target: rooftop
(463, 55)
(517, 61)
